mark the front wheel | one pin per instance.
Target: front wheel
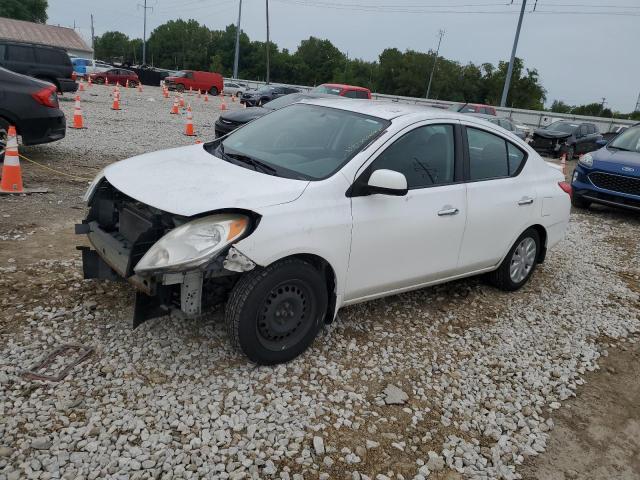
(273, 314)
(519, 264)
(98, 80)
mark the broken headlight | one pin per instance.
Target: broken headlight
(193, 244)
(92, 186)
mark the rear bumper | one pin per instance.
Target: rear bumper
(67, 84)
(44, 129)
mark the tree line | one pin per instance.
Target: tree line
(186, 44)
(592, 110)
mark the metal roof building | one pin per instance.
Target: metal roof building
(67, 38)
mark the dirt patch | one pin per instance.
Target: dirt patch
(597, 434)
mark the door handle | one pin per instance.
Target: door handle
(448, 211)
(525, 201)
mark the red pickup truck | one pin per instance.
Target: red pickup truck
(196, 80)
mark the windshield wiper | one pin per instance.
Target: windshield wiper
(256, 164)
(620, 148)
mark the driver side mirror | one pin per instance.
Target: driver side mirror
(387, 182)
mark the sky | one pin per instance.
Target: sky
(584, 50)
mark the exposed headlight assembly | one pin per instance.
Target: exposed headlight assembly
(193, 244)
(586, 160)
(92, 186)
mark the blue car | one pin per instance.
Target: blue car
(611, 175)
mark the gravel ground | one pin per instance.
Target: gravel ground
(450, 382)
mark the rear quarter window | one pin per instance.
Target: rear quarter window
(52, 56)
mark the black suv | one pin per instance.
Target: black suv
(51, 64)
(566, 137)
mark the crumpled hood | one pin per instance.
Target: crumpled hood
(541, 132)
(189, 180)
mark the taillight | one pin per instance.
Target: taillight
(566, 187)
(47, 97)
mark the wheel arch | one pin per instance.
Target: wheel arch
(542, 233)
(329, 275)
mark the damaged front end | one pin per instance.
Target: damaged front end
(187, 263)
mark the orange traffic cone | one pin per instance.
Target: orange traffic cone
(116, 101)
(563, 163)
(181, 100)
(77, 115)
(106, 81)
(81, 87)
(89, 83)
(139, 88)
(126, 84)
(190, 90)
(174, 108)
(223, 106)
(206, 97)
(233, 98)
(11, 181)
(199, 94)
(188, 128)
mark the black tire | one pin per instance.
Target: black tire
(133, 84)
(273, 314)
(213, 91)
(579, 202)
(99, 80)
(179, 88)
(502, 278)
(4, 129)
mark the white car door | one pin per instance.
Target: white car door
(501, 198)
(399, 242)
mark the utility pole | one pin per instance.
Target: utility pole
(267, 42)
(144, 32)
(638, 104)
(507, 81)
(435, 60)
(237, 57)
(93, 39)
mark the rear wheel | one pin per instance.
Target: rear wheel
(579, 202)
(519, 264)
(273, 314)
(179, 88)
(133, 84)
(213, 91)
(98, 80)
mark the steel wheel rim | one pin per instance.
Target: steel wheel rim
(523, 260)
(286, 315)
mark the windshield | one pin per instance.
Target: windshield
(628, 140)
(328, 90)
(565, 127)
(301, 141)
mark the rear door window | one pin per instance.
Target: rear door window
(351, 94)
(491, 156)
(20, 53)
(362, 94)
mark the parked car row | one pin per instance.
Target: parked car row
(116, 75)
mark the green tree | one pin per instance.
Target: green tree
(29, 10)
(112, 46)
(320, 61)
(180, 44)
(559, 106)
(592, 110)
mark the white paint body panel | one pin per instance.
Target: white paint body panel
(377, 244)
(189, 181)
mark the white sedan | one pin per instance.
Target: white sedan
(234, 88)
(320, 205)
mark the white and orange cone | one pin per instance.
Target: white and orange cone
(223, 105)
(563, 163)
(181, 100)
(116, 101)
(199, 94)
(11, 181)
(77, 115)
(139, 87)
(89, 82)
(126, 84)
(174, 108)
(233, 98)
(188, 128)
(106, 81)
(206, 97)
(190, 90)
(81, 86)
